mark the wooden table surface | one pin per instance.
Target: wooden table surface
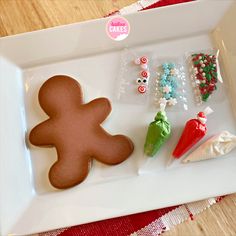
(18, 16)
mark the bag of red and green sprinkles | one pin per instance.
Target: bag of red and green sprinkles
(205, 74)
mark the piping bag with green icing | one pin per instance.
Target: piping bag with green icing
(158, 133)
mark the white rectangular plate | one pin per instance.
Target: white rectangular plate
(28, 203)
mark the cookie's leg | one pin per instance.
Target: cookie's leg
(112, 150)
(69, 170)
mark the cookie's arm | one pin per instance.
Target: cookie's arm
(41, 135)
(110, 149)
(98, 108)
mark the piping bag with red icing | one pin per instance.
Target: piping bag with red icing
(194, 131)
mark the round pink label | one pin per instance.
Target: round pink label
(118, 28)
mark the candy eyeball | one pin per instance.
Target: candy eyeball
(145, 81)
(138, 81)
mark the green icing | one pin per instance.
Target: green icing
(161, 115)
(158, 132)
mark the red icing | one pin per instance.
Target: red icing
(142, 88)
(144, 74)
(193, 132)
(144, 60)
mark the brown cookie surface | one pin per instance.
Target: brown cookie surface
(74, 129)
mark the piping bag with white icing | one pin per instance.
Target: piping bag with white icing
(216, 146)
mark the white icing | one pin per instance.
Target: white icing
(216, 146)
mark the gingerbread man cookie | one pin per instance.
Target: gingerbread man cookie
(74, 129)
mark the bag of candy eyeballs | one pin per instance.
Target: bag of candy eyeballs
(205, 75)
(168, 85)
(133, 78)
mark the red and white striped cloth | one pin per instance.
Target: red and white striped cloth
(144, 5)
(150, 223)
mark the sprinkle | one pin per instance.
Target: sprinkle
(167, 96)
(144, 60)
(166, 89)
(168, 83)
(208, 76)
(163, 101)
(172, 72)
(167, 71)
(163, 77)
(171, 65)
(165, 66)
(172, 101)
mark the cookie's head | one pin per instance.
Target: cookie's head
(59, 93)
